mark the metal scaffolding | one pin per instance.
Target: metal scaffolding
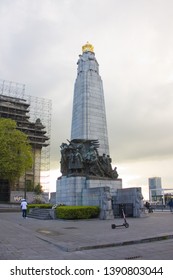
(36, 108)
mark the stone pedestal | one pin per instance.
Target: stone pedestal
(106, 215)
(85, 191)
(132, 196)
(69, 190)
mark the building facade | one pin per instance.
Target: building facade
(17, 106)
(155, 188)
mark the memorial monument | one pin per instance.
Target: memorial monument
(85, 161)
(88, 177)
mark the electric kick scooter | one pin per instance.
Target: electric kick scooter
(125, 224)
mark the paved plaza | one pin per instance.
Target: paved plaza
(150, 237)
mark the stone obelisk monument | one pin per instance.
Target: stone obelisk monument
(89, 115)
(87, 174)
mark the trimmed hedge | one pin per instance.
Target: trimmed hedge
(77, 212)
(43, 206)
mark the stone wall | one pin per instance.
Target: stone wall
(86, 191)
(69, 190)
(82, 190)
(52, 199)
(133, 196)
(16, 196)
(92, 193)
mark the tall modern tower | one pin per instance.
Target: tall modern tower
(155, 187)
(89, 115)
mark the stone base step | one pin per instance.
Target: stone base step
(41, 214)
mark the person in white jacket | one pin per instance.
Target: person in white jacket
(24, 207)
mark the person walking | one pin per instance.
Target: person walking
(24, 207)
(170, 203)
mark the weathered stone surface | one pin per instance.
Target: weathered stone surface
(131, 195)
(78, 190)
(89, 114)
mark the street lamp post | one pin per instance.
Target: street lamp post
(25, 186)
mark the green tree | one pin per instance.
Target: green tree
(38, 189)
(15, 151)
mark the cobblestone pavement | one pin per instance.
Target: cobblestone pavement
(149, 238)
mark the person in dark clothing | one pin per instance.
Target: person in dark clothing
(148, 206)
(170, 203)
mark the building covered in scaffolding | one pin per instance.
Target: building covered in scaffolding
(33, 117)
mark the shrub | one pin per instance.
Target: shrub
(77, 212)
(38, 189)
(38, 200)
(43, 206)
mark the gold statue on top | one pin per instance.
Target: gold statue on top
(87, 48)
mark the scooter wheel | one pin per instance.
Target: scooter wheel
(126, 225)
(113, 226)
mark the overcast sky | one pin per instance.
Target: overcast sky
(40, 41)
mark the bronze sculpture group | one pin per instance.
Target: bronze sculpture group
(81, 158)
